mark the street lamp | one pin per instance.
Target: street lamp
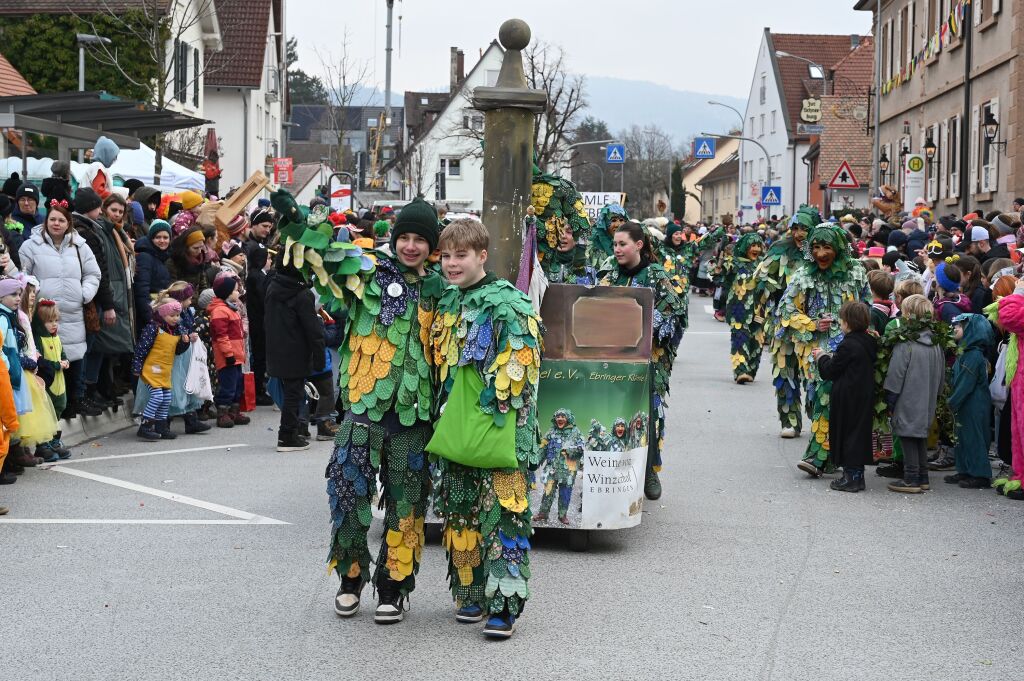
(734, 109)
(84, 39)
(883, 166)
(929, 151)
(992, 130)
(767, 158)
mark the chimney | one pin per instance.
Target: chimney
(854, 41)
(462, 66)
(453, 71)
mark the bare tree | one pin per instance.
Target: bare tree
(649, 154)
(345, 78)
(162, 27)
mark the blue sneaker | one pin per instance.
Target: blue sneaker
(44, 452)
(469, 614)
(500, 626)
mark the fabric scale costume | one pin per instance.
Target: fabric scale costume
(818, 289)
(386, 388)
(745, 303)
(559, 210)
(562, 454)
(780, 264)
(491, 328)
(599, 248)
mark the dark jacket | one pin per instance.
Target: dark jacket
(90, 231)
(56, 189)
(13, 238)
(852, 372)
(295, 334)
(970, 399)
(151, 277)
(916, 241)
(119, 337)
(997, 251)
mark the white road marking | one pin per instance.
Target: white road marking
(709, 309)
(171, 496)
(138, 454)
(135, 521)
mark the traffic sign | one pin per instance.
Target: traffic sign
(615, 153)
(844, 178)
(771, 196)
(704, 147)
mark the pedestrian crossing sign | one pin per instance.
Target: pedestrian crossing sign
(771, 196)
(615, 153)
(704, 147)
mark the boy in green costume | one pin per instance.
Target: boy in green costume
(386, 389)
(485, 325)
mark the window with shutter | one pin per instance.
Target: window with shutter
(955, 141)
(979, 11)
(972, 183)
(911, 31)
(195, 76)
(943, 162)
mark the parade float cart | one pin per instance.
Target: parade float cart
(596, 368)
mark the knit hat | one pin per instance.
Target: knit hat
(11, 184)
(977, 234)
(261, 214)
(672, 229)
(158, 226)
(86, 199)
(10, 286)
(418, 217)
(183, 293)
(231, 248)
(237, 225)
(194, 238)
(204, 299)
(264, 202)
(224, 286)
(168, 308)
(138, 215)
(132, 185)
(189, 199)
(27, 189)
(1004, 228)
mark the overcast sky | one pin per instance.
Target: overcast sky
(698, 45)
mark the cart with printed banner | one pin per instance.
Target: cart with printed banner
(594, 409)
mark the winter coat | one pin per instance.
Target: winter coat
(952, 305)
(91, 232)
(199, 275)
(916, 241)
(8, 412)
(981, 297)
(851, 368)
(1011, 318)
(118, 338)
(67, 273)
(56, 189)
(144, 196)
(151, 277)
(295, 334)
(917, 371)
(255, 295)
(226, 334)
(970, 399)
(15, 238)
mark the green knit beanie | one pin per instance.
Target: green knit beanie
(418, 217)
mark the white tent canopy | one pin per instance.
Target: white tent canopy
(131, 163)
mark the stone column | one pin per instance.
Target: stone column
(509, 108)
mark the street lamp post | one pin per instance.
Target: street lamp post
(84, 39)
(734, 110)
(600, 169)
(767, 158)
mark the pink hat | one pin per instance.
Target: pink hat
(10, 286)
(169, 308)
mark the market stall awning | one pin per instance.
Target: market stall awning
(81, 117)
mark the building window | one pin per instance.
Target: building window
(473, 120)
(953, 155)
(452, 167)
(764, 88)
(761, 134)
(751, 133)
(989, 154)
(773, 121)
(492, 77)
(371, 123)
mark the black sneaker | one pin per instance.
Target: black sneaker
(848, 484)
(291, 443)
(390, 603)
(946, 463)
(955, 479)
(147, 431)
(346, 603)
(905, 486)
(971, 482)
(8, 478)
(652, 484)
(87, 407)
(264, 400)
(893, 470)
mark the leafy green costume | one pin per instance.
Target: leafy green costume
(811, 294)
(619, 443)
(745, 303)
(559, 207)
(668, 323)
(562, 451)
(601, 238)
(783, 260)
(598, 439)
(385, 386)
(491, 327)
(679, 260)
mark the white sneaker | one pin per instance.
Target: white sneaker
(788, 433)
(388, 613)
(346, 603)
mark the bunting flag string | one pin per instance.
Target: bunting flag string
(948, 32)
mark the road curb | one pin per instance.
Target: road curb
(84, 428)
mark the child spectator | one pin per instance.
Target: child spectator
(158, 345)
(8, 426)
(971, 285)
(228, 351)
(51, 364)
(949, 302)
(971, 403)
(883, 308)
(912, 384)
(851, 370)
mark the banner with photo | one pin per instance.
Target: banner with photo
(594, 420)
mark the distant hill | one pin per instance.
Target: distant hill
(621, 103)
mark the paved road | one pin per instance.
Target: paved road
(745, 570)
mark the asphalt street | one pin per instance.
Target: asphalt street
(204, 558)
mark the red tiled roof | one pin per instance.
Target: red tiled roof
(11, 82)
(854, 73)
(25, 7)
(243, 27)
(794, 82)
